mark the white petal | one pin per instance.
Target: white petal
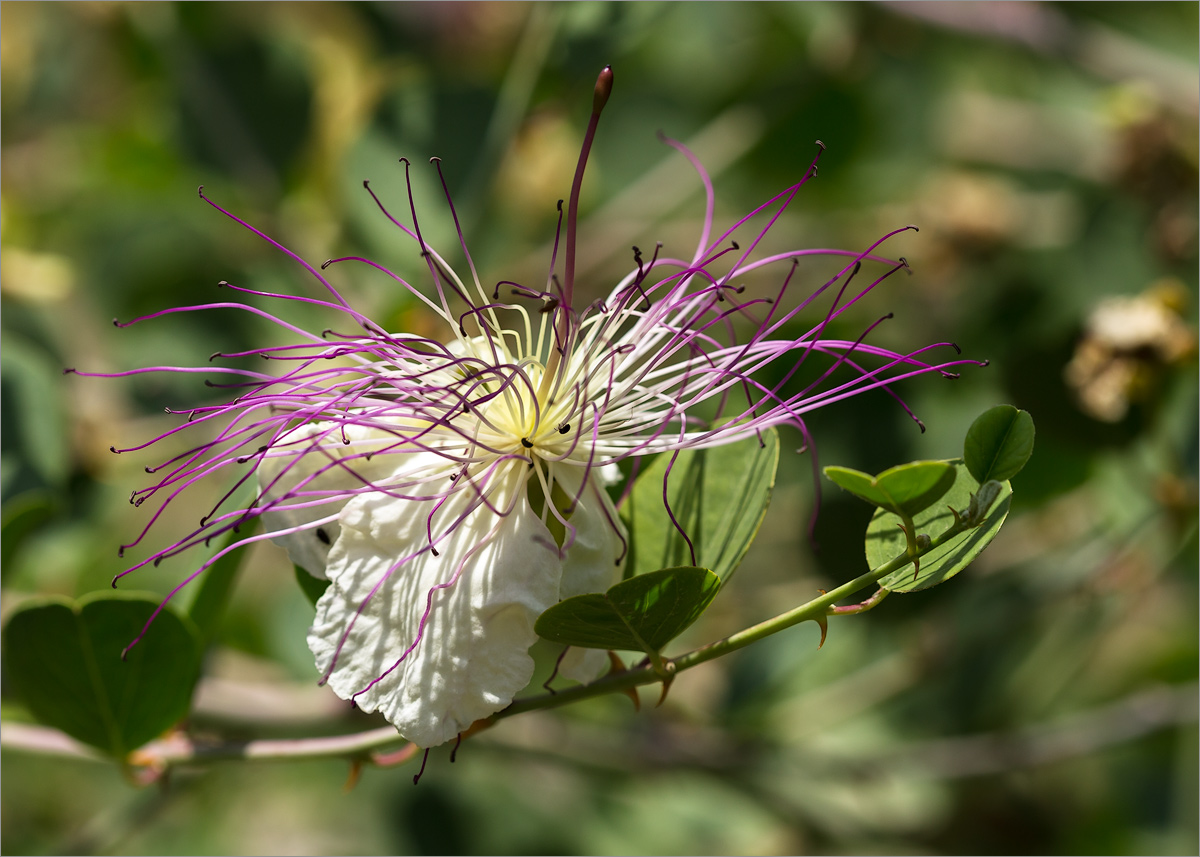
(281, 474)
(583, 665)
(594, 561)
(596, 558)
(472, 656)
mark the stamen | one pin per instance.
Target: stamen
(424, 759)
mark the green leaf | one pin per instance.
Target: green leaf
(719, 497)
(643, 613)
(64, 659)
(39, 408)
(216, 585)
(23, 516)
(313, 587)
(998, 444)
(885, 541)
(903, 490)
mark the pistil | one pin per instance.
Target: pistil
(563, 327)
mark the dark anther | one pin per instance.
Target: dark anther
(604, 84)
(424, 759)
(326, 264)
(903, 261)
(114, 449)
(214, 356)
(148, 469)
(366, 183)
(822, 145)
(525, 443)
(323, 536)
(121, 551)
(200, 190)
(913, 227)
(157, 560)
(921, 425)
(222, 284)
(814, 171)
(113, 583)
(566, 427)
(957, 350)
(116, 323)
(70, 370)
(985, 363)
(560, 202)
(435, 160)
(550, 305)
(434, 551)
(736, 246)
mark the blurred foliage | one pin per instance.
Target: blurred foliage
(1044, 702)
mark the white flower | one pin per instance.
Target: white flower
(452, 492)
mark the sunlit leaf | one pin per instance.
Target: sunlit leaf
(64, 659)
(998, 444)
(906, 489)
(885, 540)
(718, 496)
(643, 613)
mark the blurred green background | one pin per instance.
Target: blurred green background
(1043, 702)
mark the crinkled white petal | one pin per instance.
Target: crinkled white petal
(279, 474)
(472, 656)
(594, 561)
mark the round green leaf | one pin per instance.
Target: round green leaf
(998, 444)
(906, 489)
(64, 659)
(719, 497)
(643, 613)
(885, 540)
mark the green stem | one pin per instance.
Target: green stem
(179, 749)
(816, 609)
